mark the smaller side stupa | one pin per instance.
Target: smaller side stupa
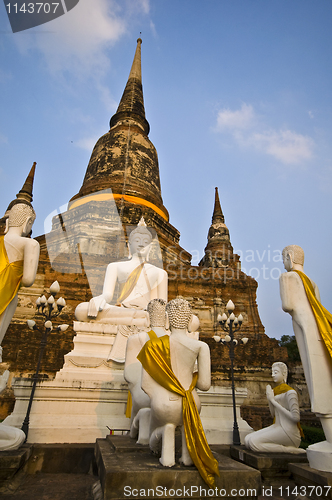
(218, 251)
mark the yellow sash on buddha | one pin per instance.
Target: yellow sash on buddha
(130, 284)
(323, 316)
(129, 405)
(10, 277)
(155, 358)
(281, 389)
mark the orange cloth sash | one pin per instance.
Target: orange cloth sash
(155, 358)
(130, 284)
(322, 316)
(10, 277)
(129, 405)
(281, 389)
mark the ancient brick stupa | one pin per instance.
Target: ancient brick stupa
(122, 183)
(124, 159)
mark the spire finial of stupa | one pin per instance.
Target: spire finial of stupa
(217, 216)
(26, 192)
(136, 68)
(131, 106)
(218, 251)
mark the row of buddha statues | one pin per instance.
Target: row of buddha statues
(139, 309)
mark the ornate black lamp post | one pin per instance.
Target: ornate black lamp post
(49, 309)
(231, 324)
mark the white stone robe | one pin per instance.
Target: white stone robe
(317, 364)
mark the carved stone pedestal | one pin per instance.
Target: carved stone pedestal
(274, 467)
(127, 470)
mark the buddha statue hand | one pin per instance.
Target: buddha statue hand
(269, 393)
(96, 304)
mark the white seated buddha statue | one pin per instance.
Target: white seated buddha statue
(139, 282)
(284, 435)
(169, 381)
(133, 370)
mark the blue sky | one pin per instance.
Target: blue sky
(237, 94)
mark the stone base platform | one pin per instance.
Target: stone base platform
(127, 470)
(12, 461)
(55, 472)
(320, 456)
(71, 411)
(273, 466)
(315, 484)
(89, 395)
(80, 411)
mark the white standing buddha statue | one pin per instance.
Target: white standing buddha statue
(19, 256)
(312, 325)
(284, 435)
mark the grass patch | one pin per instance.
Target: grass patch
(312, 435)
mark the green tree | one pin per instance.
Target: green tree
(289, 342)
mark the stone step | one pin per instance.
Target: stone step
(127, 470)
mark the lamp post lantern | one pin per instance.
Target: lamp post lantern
(48, 309)
(231, 324)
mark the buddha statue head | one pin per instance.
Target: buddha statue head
(140, 240)
(157, 312)
(179, 313)
(279, 372)
(292, 254)
(21, 215)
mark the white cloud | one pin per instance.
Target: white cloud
(285, 145)
(77, 41)
(239, 119)
(153, 29)
(145, 5)
(107, 99)
(249, 131)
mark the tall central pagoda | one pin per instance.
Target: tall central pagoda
(125, 159)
